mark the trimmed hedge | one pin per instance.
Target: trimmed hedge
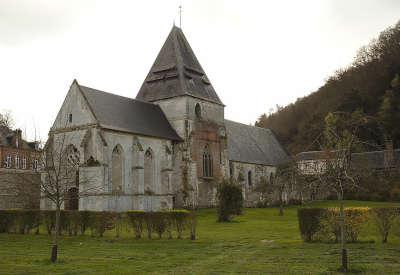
(159, 222)
(385, 219)
(77, 222)
(354, 219)
(323, 224)
(310, 222)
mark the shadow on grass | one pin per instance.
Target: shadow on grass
(353, 270)
(47, 262)
(227, 222)
(371, 241)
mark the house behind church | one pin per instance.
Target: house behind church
(167, 148)
(19, 170)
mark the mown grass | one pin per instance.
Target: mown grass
(259, 241)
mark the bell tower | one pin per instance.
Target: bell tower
(179, 85)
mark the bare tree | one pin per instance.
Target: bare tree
(340, 172)
(61, 183)
(6, 119)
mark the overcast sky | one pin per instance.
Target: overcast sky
(256, 53)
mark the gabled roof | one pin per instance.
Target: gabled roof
(6, 136)
(255, 145)
(176, 72)
(128, 115)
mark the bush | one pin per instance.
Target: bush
(385, 219)
(324, 223)
(354, 219)
(293, 201)
(137, 220)
(85, 219)
(48, 218)
(72, 222)
(310, 221)
(159, 222)
(179, 218)
(26, 220)
(102, 221)
(230, 200)
(7, 220)
(19, 221)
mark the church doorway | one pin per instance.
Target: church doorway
(72, 199)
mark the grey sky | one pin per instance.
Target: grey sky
(256, 53)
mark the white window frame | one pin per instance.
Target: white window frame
(17, 161)
(35, 164)
(8, 161)
(24, 163)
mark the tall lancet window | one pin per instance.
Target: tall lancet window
(207, 162)
(117, 169)
(148, 171)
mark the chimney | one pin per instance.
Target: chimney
(17, 139)
(388, 154)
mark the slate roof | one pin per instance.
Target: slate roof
(255, 145)
(6, 135)
(176, 72)
(128, 115)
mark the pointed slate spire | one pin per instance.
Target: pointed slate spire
(177, 72)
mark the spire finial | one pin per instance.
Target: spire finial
(180, 16)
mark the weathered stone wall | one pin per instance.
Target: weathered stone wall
(96, 182)
(19, 189)
(189, 185)
(241, 174)
(75, 104)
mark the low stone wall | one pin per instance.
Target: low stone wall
(120, 202)
(19, 189)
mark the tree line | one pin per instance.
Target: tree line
(371, 84)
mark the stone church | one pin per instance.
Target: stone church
(167, 148)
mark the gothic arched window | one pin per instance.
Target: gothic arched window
(117, 169)
(73, 156)
(207, 162)
(148, 170)
(249, 178)
(197, 111)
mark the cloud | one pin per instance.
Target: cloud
(23, 21)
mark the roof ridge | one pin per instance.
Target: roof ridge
(253, 126)
(133, 99)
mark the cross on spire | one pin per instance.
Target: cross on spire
(180, 16)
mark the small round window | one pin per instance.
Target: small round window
(197, 111)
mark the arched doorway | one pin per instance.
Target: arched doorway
(72, 171)
(72, 199)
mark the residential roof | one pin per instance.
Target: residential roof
(255, 145)
(176, 72)
(311, 155)
(372, 159)
(6, 136)
(128, 115)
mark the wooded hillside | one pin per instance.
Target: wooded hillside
(369, 84)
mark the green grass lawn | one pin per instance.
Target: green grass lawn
(259, 241)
